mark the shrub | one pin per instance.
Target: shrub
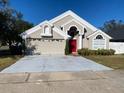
(79, 51)
(86, 52)
(16, 50)
(112, 52)
(93, 52)
(67, 52)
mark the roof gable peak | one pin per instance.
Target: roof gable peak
(74, 15)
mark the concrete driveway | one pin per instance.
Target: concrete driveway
(47, 63)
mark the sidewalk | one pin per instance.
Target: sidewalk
(63, 82)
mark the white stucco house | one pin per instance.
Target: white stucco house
(50, 36)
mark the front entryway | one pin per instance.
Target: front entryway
(73, 42)
(72, 45)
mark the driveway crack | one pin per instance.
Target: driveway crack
(27, 78)
(43, 66)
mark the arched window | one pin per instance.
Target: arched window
(99, 42)
(73, 31)
(99, 37)
(46, 30)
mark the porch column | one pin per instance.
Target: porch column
(80, 38)
(80, 41)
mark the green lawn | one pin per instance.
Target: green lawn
(115, 61)
(6, 61)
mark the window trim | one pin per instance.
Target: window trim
(46, 29)
(44, 32)
(72, 26)
(77, 22)
(99, 38)
(94, 38)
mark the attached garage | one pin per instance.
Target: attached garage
(46, 46)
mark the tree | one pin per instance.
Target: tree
(3, 3)
(115, 29)
(11, 24)
(113, 25)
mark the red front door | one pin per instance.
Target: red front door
(72, 46)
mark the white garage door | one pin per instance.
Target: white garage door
(50, 46)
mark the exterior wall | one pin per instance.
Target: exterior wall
(79, 27)
(85, 43)
(54, 44)
(117, 46)
(77, 40)
(89, 44)
(37, 34)
(57, 36)
(63, 21)
(107, 43)
(67, 19)
(45, 46)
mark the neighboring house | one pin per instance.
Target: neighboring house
(49, 37)
(117, 41)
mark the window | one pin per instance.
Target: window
(73, 31)
(46, 30)
(61, 28)
(99, 42)
(99, 37)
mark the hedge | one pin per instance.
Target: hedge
(86, 52)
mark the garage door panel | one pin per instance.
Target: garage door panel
(50, 47)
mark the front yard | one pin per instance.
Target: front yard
(114, 61)
(6, 61)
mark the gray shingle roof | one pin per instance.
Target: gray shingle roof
(116, 34)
